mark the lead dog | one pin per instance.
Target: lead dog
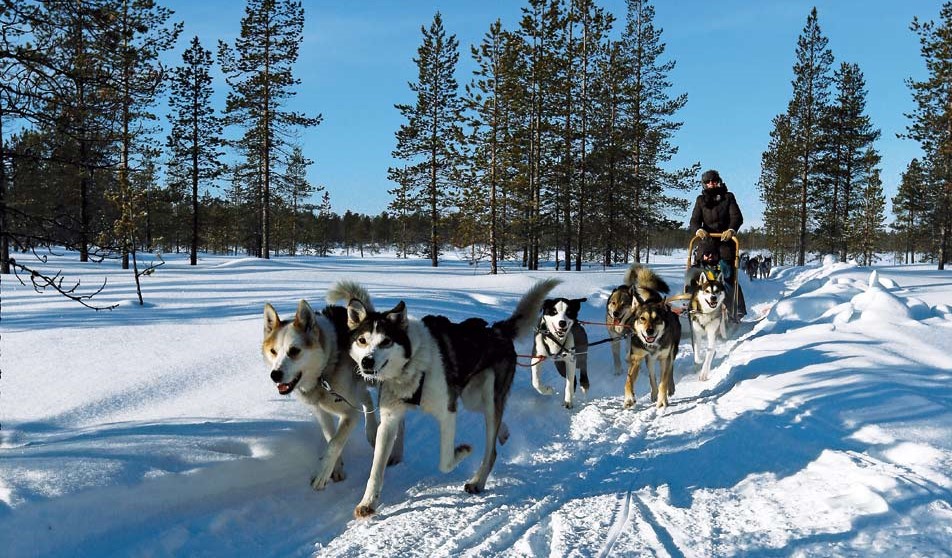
(621, 305)
(431, 363)
(656, 338)
(708, 318)
(308, 355)
(561, 338)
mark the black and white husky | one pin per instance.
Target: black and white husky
(708, 319)
(308, 356)
(562, 339)
(430, 364)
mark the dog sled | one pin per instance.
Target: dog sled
(681, 303)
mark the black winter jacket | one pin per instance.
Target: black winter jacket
(716, 211)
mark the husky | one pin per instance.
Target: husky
(622, 303)
(561, 338)
(708, 319)
(308, 355)
(765, 263)
(657, 332)
(753, 267)
(430, 364)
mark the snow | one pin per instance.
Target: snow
(155, 431)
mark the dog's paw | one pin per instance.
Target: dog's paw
(363, 512)
(629, 403)
(662, 402)
(567, 404)
(472, 488)
(545, 390)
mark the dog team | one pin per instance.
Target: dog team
(332, 359)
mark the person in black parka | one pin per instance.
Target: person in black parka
(716, 211)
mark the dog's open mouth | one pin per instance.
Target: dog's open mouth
(650, 339)
(712, 303)
(287, 388)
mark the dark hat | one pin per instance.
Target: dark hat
(710, 175)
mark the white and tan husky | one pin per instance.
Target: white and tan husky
(708, 319)
(308, 356)
(431, 364)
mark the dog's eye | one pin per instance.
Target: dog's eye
(293, 352)
(274, 352)
(362, 341)
(550, 311)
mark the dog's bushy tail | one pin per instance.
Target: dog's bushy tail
(643, 277)
(524, 317)
(345, 291)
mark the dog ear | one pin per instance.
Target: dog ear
(356, 312)
(398, 315)
(702, 279)
(304, 317)
(636, 298)
(271, 319)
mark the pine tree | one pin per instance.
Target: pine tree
(866, 226)
(403, 206)
(932, 121)
(259, 70)
(779, 191)
(195, 139)
(911, 207)
(648, 128)
(491, 106)
(808, 107)
(848, 160)
(295, 188)
(76, 106)
(430, 138)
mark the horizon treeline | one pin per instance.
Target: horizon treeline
(556, 147)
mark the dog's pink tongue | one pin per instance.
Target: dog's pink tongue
(284, 389)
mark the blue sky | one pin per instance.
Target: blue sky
(734, 61)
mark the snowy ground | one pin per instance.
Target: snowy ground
(156, 431)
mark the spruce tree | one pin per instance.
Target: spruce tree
(194, 141)
(259, 70)
(932, 121)
(429, 140)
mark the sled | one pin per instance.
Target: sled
(735, 291)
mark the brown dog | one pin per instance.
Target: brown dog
(656, 337)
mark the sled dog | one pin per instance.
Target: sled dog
(765, 263)
(560, 338)
(708, 319)
(308, 355)
(622, 303)
(656, 336)
(430, 364)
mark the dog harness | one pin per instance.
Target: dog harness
(562, 352)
